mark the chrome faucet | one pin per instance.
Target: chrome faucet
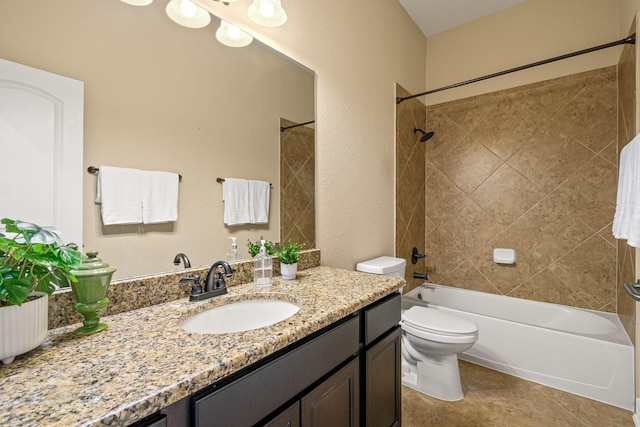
(184, 259)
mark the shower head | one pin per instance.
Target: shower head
(425, 135)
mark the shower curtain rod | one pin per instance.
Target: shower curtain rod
(628, 40)
(282, 129)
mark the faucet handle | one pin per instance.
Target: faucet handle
(196, 288)
(195, 279)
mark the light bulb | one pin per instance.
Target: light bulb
(187, 8)
(233, 32)
(267, 9)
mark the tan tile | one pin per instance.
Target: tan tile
(610, 153)
(469, 164)
(442, 254)
(469, 227)
(546, 100)
(548, 231)
(606, 233)
(590, 412)
(506, 195)
(523, 407)
(590, 193)
(466, 276)
(590, 117)
(413, 172)
(547, 160)
(547, 287)
(467, 114)
(505, 277)
(506, 128)
(476, 378)
(443, 197)
(447, 135)
(590, 270)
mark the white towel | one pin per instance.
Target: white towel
(245, 201)
(120, 193)
(259, 192)
(235, 194)
(626, 221)
(159, 197)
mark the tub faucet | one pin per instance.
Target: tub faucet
(184, 259)
(420, 276)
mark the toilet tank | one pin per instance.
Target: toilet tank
(384, 265)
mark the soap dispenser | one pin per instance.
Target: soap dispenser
(232, 255)
(262, 267)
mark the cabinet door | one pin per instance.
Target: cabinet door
(290, 417)
(335, 402)
(383, 382)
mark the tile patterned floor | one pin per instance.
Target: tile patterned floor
(494, 399)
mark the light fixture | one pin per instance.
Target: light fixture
(230, 35)
(137, 2)
(267, 12)
(188, 14)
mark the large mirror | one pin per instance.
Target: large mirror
(159, 96)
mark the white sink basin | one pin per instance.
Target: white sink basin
(240, 316)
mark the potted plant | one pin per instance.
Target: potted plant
(289, 256)
(254, 247)
(33, 262)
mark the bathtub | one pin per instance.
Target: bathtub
(584, 352)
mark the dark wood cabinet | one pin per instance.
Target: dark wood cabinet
(347, 375)
(335, 402)
(290, 417)
(383, 382)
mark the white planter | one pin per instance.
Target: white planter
(288, 271)
(23, 328)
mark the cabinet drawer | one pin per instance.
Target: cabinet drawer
(381, 317)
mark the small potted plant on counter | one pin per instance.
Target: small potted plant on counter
(254, 247)
(289, 255)
(33, 262)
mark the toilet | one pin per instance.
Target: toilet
(431, 340)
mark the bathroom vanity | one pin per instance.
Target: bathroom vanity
(335, 362)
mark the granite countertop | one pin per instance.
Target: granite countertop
(144, 361)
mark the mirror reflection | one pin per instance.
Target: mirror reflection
(159, 96)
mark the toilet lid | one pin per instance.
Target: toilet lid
(431, 319)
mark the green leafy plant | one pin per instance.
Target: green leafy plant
(254, 247)
(33, 259)
(290, 253)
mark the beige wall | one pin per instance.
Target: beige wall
(359, 50)
(532, 31)
(628, 10)
(159, 96)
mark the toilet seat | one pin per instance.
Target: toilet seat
(436, 325)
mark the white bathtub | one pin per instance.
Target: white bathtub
(584, 352)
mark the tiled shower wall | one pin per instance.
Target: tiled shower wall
(410, 183)
(532, 168)
(297, 185)
(627, 129)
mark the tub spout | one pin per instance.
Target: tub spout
(420, 276)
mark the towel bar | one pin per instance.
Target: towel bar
(94, 170)
(221, 180)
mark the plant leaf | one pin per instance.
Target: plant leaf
(17, 290)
